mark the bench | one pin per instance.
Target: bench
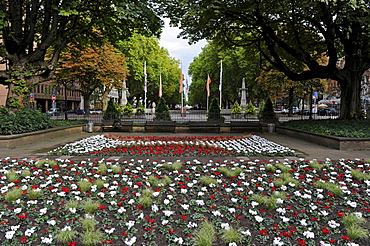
(245, 126)
(160, 126)
(204, 126)
(117, 125)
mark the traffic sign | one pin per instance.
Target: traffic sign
(53, 98)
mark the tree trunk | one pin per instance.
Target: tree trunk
(87, 104)
(290, 101)
(350, 103)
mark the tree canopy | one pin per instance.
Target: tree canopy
(139, 50)
(35, 32)
(285, 31)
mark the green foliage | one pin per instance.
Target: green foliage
(267, 112)
(65, 236)
(214, 111)
(162, 111)
(250, 109)
(208, 180)
(84, 185)
(13, 195)
(206, 234)
(112, 111)
(353, 226)
(140, 109)
(22, 121)
(89, 206)
(334, 127)
(127, 110)
(91, 238)
(231, 235)
(236, 109)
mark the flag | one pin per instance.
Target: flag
(186, 86)
(207, 85)
(220, 86)
(145, 78)
(180, 90)
(160, 85)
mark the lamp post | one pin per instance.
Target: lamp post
(304, 87)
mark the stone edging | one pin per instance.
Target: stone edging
(12, 141)
(340, 143)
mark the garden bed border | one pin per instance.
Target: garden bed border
(340, 143)
(12, 141)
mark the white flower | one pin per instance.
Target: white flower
(131, 241)
(185, 206)
(51, 222)
(72, 210)
(303, 222)
(9, 234)
(309, 234)
(29, 232)
(258, 218)
(168, 213)
(233, 244)
(192, 224)
(277, 241)
(352, 204)
(225, 226)
(200, 202)
(178, 240)
(130, 224)
(164, 222)
(246, 233)
(110, 231)
(254, 204)
(47, 240)
(43, 211)
(166, 201)
(17, 210)
(333, 224)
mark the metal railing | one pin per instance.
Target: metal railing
(190, 115)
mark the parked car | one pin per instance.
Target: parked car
(286, 110)
(306, 111)
(76, 111)
(326, 111)
(54, 111)
(96, 111)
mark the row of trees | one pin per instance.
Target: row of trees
(262, 80)
(290, 35)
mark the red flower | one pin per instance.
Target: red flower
(346, 238)
(301, 242)
(325, 230)
(183, 217)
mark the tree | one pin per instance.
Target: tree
(286, 31)
(237, 63)
(162, 111)
(139, 49)
(93, 68)
(35, 32)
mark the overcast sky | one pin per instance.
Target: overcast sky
(178, 47)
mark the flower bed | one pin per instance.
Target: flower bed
(134, 202)
(117, 145)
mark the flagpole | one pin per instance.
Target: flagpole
(145, 84)
(220, 86)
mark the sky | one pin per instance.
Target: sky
(179, 48)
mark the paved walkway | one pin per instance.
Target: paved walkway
(303, 149)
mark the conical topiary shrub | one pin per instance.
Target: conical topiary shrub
(112, 112)
(267, 111)
(127, 110)
(214, 111)
(140, 109)
(162, 111)
(250, 109)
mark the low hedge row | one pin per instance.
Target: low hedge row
(28, 120)
(334, 127)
